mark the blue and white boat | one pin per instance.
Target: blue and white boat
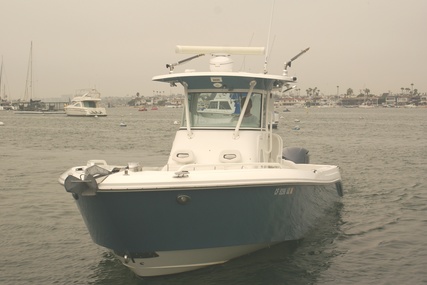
(229, 187)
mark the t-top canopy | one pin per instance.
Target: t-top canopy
(220, 50)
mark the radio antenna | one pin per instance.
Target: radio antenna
(289, 62)
(268, 39)
(244, 58)
(172, 66)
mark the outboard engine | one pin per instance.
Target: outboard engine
(298, 155)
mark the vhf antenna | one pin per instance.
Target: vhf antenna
(172, 66)
(268, 40)
(289, 63)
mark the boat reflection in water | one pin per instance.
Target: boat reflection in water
(230, 186)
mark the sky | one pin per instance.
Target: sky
(117, 46)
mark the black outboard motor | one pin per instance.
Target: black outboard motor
(298, 155)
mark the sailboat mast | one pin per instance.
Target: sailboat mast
(1, 76)
(29, 82)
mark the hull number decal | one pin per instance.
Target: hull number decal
(284, 191)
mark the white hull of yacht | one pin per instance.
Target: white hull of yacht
(85, 112)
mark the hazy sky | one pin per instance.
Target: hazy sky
(117, 46)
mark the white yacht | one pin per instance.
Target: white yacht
(86, 103)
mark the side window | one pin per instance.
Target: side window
(224, 106)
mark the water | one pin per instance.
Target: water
(376, 235)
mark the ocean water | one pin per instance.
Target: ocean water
(375, 235)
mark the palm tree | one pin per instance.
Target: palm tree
(366, 90)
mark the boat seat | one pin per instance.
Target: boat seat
(230, 156)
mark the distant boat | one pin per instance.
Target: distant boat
(366, 104)
(28, 105)
(223, 103)
(86, 103)
(154, 108)
(142, 109)
(275, 120)
(410, 106)
(36, 107)
(4, 103)
(123, 124)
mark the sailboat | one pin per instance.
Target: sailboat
(1, 76)
(4, 102)
(28, 105)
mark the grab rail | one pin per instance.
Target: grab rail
(222, 166)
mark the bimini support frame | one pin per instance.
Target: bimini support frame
(187, 110)
(243, 110)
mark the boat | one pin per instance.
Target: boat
(223, 103)
(29, 105)
(86, 103)
(275, 120)
(5, 104)
(37, 107)
(366, 105)
(228, 188)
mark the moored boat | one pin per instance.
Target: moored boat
(86, 103)
(230, 187)
(28, 105)
(223, 103)
(275, 120)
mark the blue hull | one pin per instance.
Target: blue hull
(147, 221)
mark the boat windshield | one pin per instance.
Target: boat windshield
(89, 104)
(222, 109)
